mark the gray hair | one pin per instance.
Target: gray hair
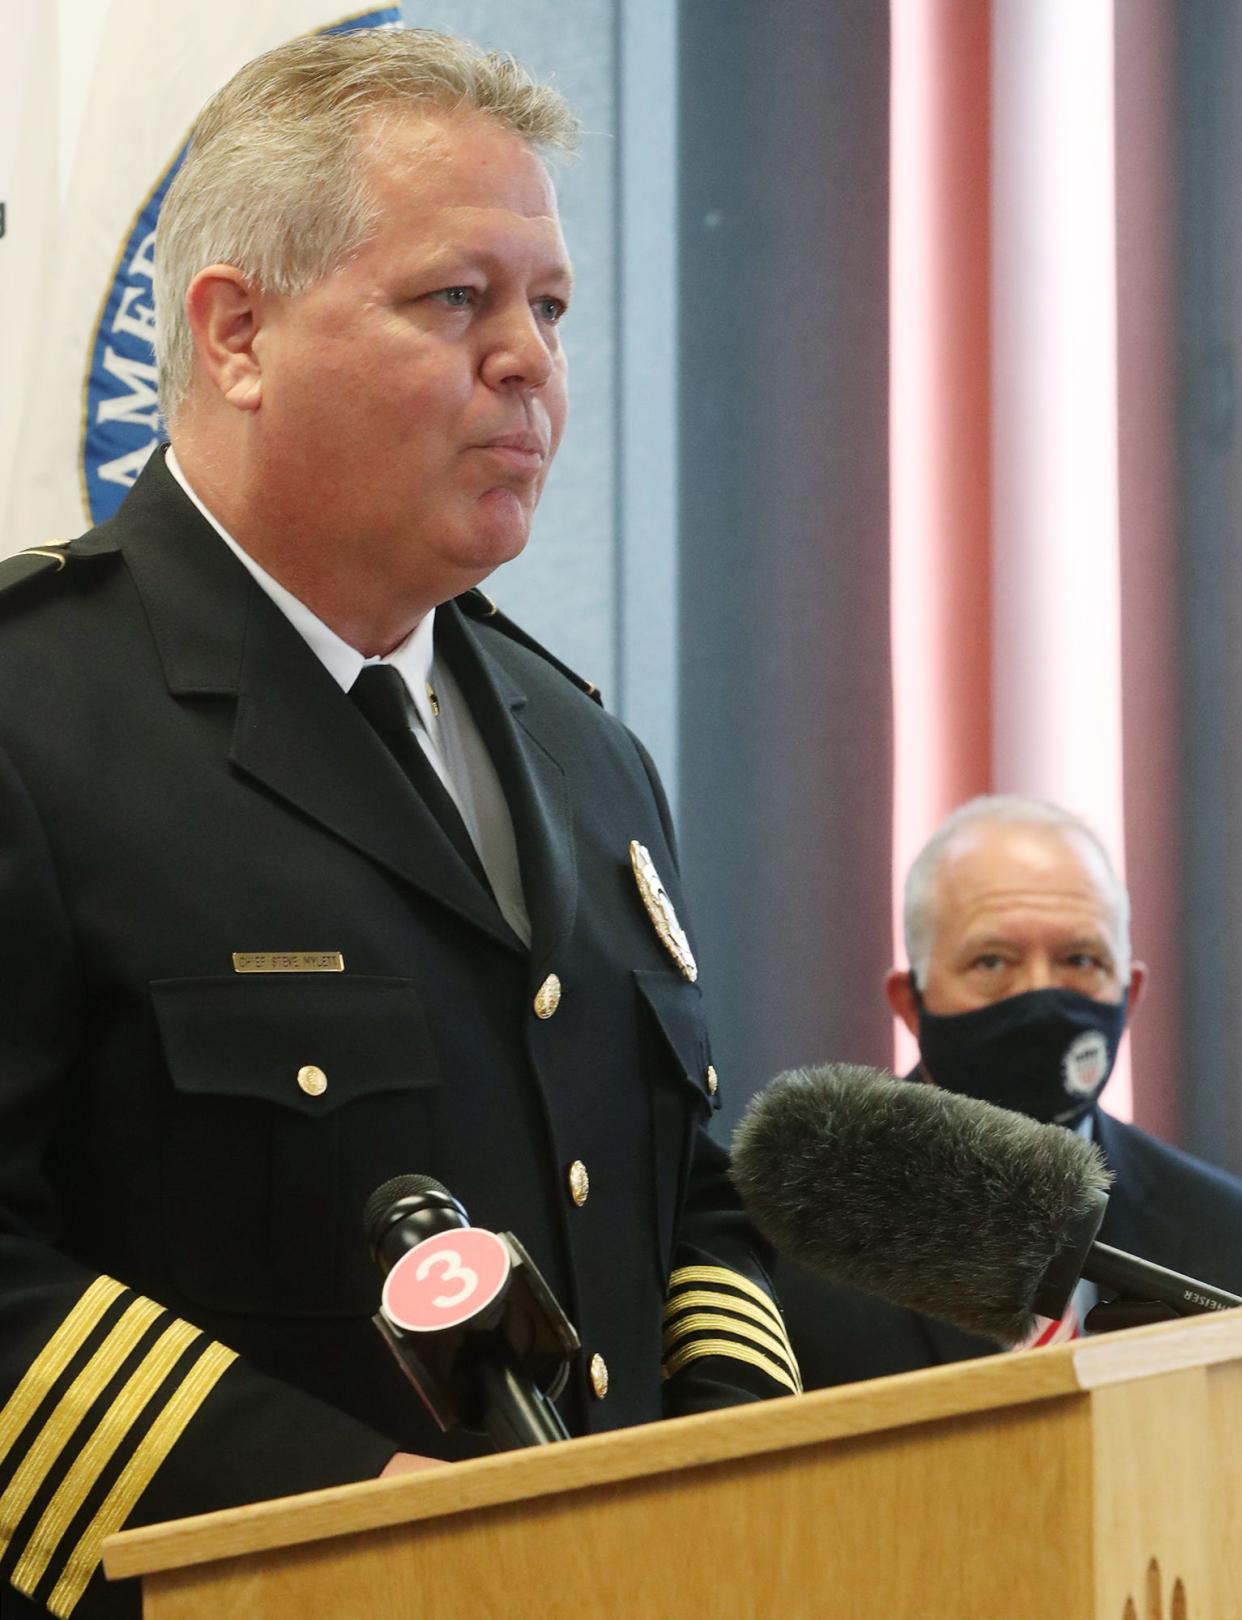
(273, 180)
(997, 809)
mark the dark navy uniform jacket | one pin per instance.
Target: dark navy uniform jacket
(185, 1288)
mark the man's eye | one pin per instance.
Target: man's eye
(550, 309)
(455, 297)
(989, 961)
(1083, 961)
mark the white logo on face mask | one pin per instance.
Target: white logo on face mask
(1085, 1063)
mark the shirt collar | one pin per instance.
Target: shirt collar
(1086, 1126)
(412, 659)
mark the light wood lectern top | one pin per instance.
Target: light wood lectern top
(1094, 1481)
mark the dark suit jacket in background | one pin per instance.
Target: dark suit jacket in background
(1165, 1206)
(180, 779)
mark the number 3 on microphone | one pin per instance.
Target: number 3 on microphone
(446, 1280)
(449, 1262)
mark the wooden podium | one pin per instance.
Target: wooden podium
(1094, 1481)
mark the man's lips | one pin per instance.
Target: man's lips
(525, 452)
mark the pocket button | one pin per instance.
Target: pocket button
(312, 1079)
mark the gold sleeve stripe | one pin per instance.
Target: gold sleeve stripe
(684, 1278)
(721, 1276)
(137, 1474)
(698, 1348)
(70, 1410)
(699, 1321)
(93, 1458)
(54, 1357)
(700, 1298)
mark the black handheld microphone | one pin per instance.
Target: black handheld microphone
(941, 1203)
(468, 1316)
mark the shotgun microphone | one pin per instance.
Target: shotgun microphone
(940, 1203)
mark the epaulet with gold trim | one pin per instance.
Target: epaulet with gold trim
(50, 560)
(476, 604)
(715, 1311)
(31, 563)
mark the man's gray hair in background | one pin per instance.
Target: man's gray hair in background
(1006, 810)
(273, 182)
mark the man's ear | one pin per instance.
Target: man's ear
(222, 307)
(1138, 982)
(899, 992)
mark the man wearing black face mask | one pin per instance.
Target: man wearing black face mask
(1021, 981)
(1020, 986)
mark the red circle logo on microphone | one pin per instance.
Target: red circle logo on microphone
(446, 1280)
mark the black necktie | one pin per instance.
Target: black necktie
(380, 693)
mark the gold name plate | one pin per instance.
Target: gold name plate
(288, 962)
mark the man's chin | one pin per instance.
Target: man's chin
(499, 530)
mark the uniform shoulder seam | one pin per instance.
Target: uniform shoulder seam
(36, 562)
(477, 605)
(47, 561)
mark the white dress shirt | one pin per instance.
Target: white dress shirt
(450, 739)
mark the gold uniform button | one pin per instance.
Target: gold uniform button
(548, 997)
(713, 1080)
(599, 1376)
(579, 1183)
(313, 1081)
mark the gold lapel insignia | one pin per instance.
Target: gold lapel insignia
(660, 910)
(288, 962)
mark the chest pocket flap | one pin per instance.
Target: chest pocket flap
(252, 1037)
(677, 1008)
(292, 1099)
(680, 1099)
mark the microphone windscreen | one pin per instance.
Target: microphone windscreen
(934, 1201)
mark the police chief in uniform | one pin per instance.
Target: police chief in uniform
(257, 956)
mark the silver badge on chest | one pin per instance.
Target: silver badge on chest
(660, 910)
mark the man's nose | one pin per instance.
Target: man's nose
(519, 354)
(1036, 973)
